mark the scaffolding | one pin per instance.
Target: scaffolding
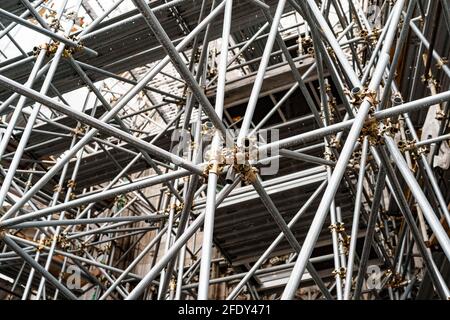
(224, 149)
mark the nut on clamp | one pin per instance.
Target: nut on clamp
(441, 63)
(345, 240)
(70, 51)
(43, 243)
(57, 188)
(211, 167)
(341, 272)
(172, 284)
(338, 227)
(440, 115)
(335, 143)
(358, 95)
(390, 128)
(40, 246)
(215, 167)
(397, 281)
(208, 129)
(406, 145)
(79, 131)
(214, 157)
(306, 45)
(331, 103)
(71, 184)
(355, 159)
(248, 173)
(50, 48)
(369, 38)
(62, 241)
(329, 156)
(175, 207)
(363, 33)
(330, 51)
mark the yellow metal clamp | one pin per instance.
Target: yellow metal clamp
(345, 240)
(410, 146)
(358, 97)
(213, 167)
(329, 156)
(363, 33)
(397, 281)
(172, 284)
(374, 35)
(78, 131)
(334, 143)
(339, 272)
(338, 226)
(248, 173)
(441, 63)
